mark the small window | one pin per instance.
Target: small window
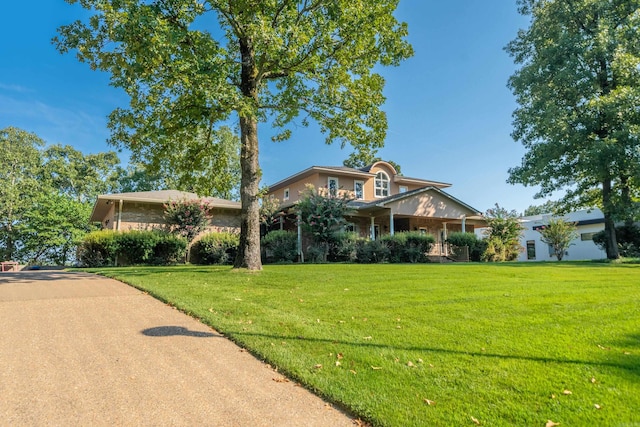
(332, 185)
(358, 190)
(586, 236)
(403, 189)
(531, 249)
(382, 184)
(286, 194)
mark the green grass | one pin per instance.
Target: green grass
(499, 343)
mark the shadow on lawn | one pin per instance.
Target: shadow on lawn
(629, 362)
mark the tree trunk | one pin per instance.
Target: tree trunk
(609, 224)
(249, 249)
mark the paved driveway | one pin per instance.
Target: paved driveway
(81, 350)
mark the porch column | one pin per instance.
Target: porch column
(391, 229)
(119, 215)
(372, 231)
(464, 223)
(281, 223)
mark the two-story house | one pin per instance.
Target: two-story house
(385, 202)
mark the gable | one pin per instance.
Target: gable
(430, 204)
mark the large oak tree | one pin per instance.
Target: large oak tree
(190, 64)
(578, 91)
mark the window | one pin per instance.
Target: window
(382, 184)
(358, 190)
(403, 189)
(586, 236)
(531, 249)
(332, 185)
(286, 194)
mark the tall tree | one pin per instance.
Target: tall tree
(578, 92)
(20, 165)
(193, 64)
(559, 234)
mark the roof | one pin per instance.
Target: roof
(103, 202)
(360, 205)
(363, 173)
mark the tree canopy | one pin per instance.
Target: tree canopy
(578, 91)
(189, 66)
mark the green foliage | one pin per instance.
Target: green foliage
(269, 213)
(548, 207)
(186, 218)
(502, 235)
(263, 61)
(322, 215)
(215, 248)
(558, 233)
(46, 196)
(628, 240)
(578, 89)
(470, 240)
(411, 247)
(99, 248)
(371, 251)
(108, 248)
(280, 246)
(342, 246)
(363, 158)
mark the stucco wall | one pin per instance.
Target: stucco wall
(429, 204)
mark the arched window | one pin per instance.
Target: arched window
(382, 184)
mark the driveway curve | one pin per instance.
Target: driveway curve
(80, 349)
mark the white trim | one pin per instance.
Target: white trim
(381, 189)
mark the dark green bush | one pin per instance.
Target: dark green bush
(280, 246)
(169, 249)
(215, 248)
(410, 246)
(342, 246)
(315, 254)
(371, 251)
(476, 246)
(136, 247)
(628, 238)
(98, 248)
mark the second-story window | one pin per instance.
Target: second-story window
(286, 194)
(358, 190)
(332, 186)
(382, 184)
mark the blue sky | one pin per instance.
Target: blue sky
(449, 109)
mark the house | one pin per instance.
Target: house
(383, 201)
(588, 222)
(144, 211)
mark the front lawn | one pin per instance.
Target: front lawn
(443, 345)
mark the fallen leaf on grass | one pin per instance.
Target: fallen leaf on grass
(593, 380)
(318, 366)
(597, 406)
(553, 396)
(352, 371)
(340, 356)
(338, 363)
(475, 421)
(280, 380)
(603, 348)
(376, 368)
(367, 338)
(429, 402)
(551, 424)
(410, 364)
(567, 392)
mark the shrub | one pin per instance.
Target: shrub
(628, 238)
(136, 247)
(476, 246)
(395, 245)
(280, 246)
(168, 249)
(371, 251)
(417, 246)
(316, 254)
(215, 248)
(98, 249)
(342, 246)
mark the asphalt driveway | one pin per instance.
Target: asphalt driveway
(79, 349)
